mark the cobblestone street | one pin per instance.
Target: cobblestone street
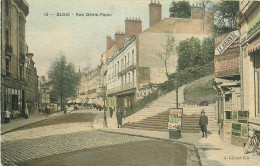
(78, 143)
(18, 151)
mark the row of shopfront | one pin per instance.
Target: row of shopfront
(237, 76)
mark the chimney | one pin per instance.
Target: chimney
(119, 40)
(197, 12)
(132, 26)
(110, 42)
(155, 13)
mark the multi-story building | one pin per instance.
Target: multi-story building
(227, 82)
(93, 85)
(137, 66)
(31, 79)
(249, 26)
(44, 93)
(13, 85)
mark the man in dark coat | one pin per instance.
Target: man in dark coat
(203, 123)
(111, 112)
(119, 116)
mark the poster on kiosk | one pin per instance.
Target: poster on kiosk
(175, 118)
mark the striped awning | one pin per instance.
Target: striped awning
(254, 46)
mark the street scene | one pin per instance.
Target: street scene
(127, 83)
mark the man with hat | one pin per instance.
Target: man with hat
(203, 123)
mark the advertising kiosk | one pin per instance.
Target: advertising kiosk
(175, 122)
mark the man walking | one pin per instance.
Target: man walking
(119, 116)
(203, 123)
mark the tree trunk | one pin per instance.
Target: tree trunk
(166, 70)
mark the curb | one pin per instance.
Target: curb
(193, 157)
(21, 127)
(2, 133)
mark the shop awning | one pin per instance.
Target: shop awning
(254, 46)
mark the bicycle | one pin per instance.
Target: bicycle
(254, 141)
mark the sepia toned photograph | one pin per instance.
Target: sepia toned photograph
(130, 83)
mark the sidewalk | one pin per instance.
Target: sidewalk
(212, 150)
(21, 122)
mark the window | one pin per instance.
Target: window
(129, 80)
(7, 67)
(133, 76)
(125, 60)
(133, 56)
(7, 8)
(7, 37)
(21, 72)
(128, 59)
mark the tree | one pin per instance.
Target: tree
(226, 16)
(180, 9)
(192, 52)
(64, 79)
(168, 50)
(189, 52)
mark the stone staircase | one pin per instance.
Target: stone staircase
(160, 105)
(155, 115)
(157, 122)
(191, 116)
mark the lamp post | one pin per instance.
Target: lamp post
(103, 95)
(176, 82)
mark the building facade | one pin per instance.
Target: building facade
(13, 85)
(44, 93)
(136, 70)
(249, 26)
(227, 83)
(31, 79)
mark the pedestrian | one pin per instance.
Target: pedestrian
(26, 113)
(7, 116)
(46, 111)
(111, 112)
(119, 116)
(203, 123)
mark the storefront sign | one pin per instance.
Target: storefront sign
(226, 42)
(236, 129)
(242, 116)
(175, 118)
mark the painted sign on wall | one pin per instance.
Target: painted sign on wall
(226, 42)
(175, 118)
(227, 65)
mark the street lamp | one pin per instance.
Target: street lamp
(103, 95)
(176, 82)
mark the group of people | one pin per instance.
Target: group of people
(8, 115)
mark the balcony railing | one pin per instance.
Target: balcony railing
(124, 87)
(8, 49)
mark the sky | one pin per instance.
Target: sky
(81, 38)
